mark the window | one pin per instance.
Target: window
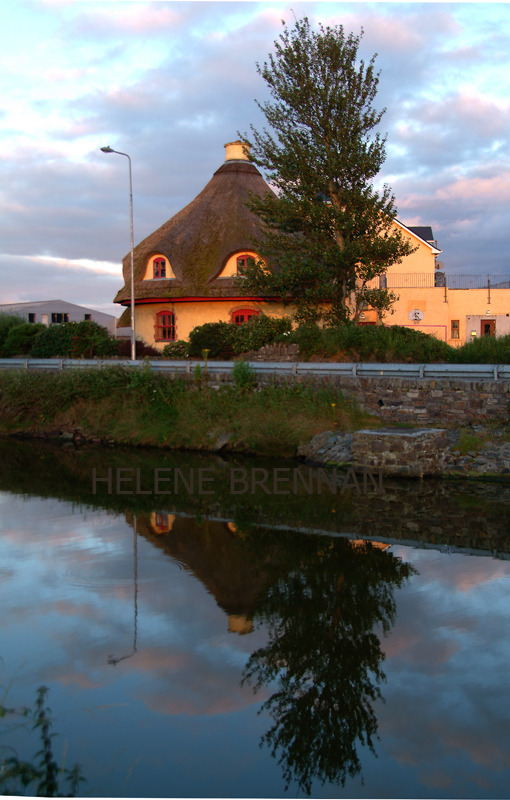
(454, 333)
(31, 317)
(57, 319)
(244, 261)
(242, 315)
(87, 316)
(159, 266)
(165, 326)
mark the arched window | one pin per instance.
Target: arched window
(244, 261)
(159, 267)
(165, 326)
(242, 315)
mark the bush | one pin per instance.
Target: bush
(224, 339)
(178, 349)
(260, 331)
(370, 343)
(84, 339)
(244, 375)
(8, 321)
(216, 337)
(142, 349)
(20, 339)
(485, 350)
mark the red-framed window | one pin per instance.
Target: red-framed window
(242, 315)
(159, 267)
(165, 326)
(244, 261)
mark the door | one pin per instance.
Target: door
(488, 327)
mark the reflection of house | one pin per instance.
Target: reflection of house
(52, 312)
(217, 556)
(184, 271)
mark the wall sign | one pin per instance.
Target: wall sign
(416, 315)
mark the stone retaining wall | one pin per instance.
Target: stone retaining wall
(419, 402)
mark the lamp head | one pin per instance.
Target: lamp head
(107, 150)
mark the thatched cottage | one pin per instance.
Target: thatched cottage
(184, 270)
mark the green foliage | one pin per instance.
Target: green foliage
(217, 337)
(259, 331)
(20, 339)
(370, 343)
(224, 339)
(41, 776)
(8, 321)
(244, 375)
(174, 350)
(84, 339)
(483, 350)
(329, 231)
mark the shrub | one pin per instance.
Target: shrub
(142, 349)
(224, 340)
(8, 321)
(178, 349)
(216, 337)
(259, 331)
(20, 339)
(84, 339)
(244, 375)
(485, 350)
(370, 343)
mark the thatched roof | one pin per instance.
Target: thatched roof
(198, 240)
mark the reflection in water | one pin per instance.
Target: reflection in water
(201, 600)
(320, 600)
(325, 657)
(111, 659)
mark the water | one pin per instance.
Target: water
(220, 645)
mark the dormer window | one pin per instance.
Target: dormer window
(159, 267)
(244, 261)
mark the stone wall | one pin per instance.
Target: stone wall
(420, 402)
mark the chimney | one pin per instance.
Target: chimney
(235, 151)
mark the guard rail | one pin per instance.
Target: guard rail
(471, 372)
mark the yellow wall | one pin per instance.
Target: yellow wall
(422, 260)
(149, 272)
(189, 315)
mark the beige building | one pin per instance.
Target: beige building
(184, 272)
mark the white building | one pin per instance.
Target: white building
(51, 312)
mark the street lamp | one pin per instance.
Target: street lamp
(133, 340)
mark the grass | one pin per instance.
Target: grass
(144, 408)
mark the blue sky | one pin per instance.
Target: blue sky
(171, 82)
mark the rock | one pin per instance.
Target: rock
(222, 440)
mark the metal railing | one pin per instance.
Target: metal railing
(440, 280)
(472, 372)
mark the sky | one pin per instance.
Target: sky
(170, 83)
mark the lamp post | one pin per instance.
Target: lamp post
(133, 339)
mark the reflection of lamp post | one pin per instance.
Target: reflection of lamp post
(133, 340)
(111, 659)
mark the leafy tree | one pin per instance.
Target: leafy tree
(329, 232)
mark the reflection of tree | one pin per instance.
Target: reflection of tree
(325, 657)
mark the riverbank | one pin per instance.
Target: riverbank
(308, 422)
(119, 406)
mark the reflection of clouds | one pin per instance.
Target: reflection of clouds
(446, 662)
